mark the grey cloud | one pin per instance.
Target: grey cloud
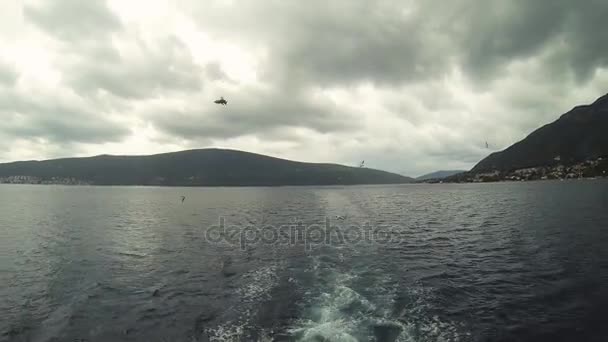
(8, 75)
(412, 155)
(91, 61)
(73, 19)
(59, 129)
(492, 34)
(335, 43)
(214, 72)
(56, 120)
(258, 113)
(18, 148)
(460, 150)
(387, 42)
(164, 68)
(586, 38)
(424, 103)
(371, 42)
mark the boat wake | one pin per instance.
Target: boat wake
(358, 306)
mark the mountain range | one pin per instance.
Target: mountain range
(203, 167)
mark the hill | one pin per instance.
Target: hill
(439, 174)
(576, 136)
(203, 167)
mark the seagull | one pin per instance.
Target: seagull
(183, 199)
(338, 217)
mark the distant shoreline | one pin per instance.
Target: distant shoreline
(305, 185)
(517, 181)
(206, 186)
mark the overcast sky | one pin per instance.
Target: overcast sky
(408, 86)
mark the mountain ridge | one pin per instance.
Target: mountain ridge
(575, 136)
(194, 167)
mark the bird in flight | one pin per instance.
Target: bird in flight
(183, 199)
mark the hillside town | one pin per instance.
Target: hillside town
(40, 180)
(593, 168)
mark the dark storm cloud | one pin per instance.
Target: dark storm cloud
(73, 19)
(164, 68)
(56, 120)
(404, 42)
(492, 34)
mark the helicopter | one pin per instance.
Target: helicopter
(221, 101)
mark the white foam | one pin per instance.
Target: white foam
(257, 286)
(236, 333)
(226, 333)
(329, 331)
(337, 314)
(417, 326)
(343, 314)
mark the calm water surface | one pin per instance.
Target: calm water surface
(474, 262)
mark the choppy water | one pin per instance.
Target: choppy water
(475, 262)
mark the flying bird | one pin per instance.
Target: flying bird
(183, 199)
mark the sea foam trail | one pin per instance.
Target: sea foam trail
(342, 314)
(337, 309)
(357, 301)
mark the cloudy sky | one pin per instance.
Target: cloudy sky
(408, 86)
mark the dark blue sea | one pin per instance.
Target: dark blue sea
(444, 262)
